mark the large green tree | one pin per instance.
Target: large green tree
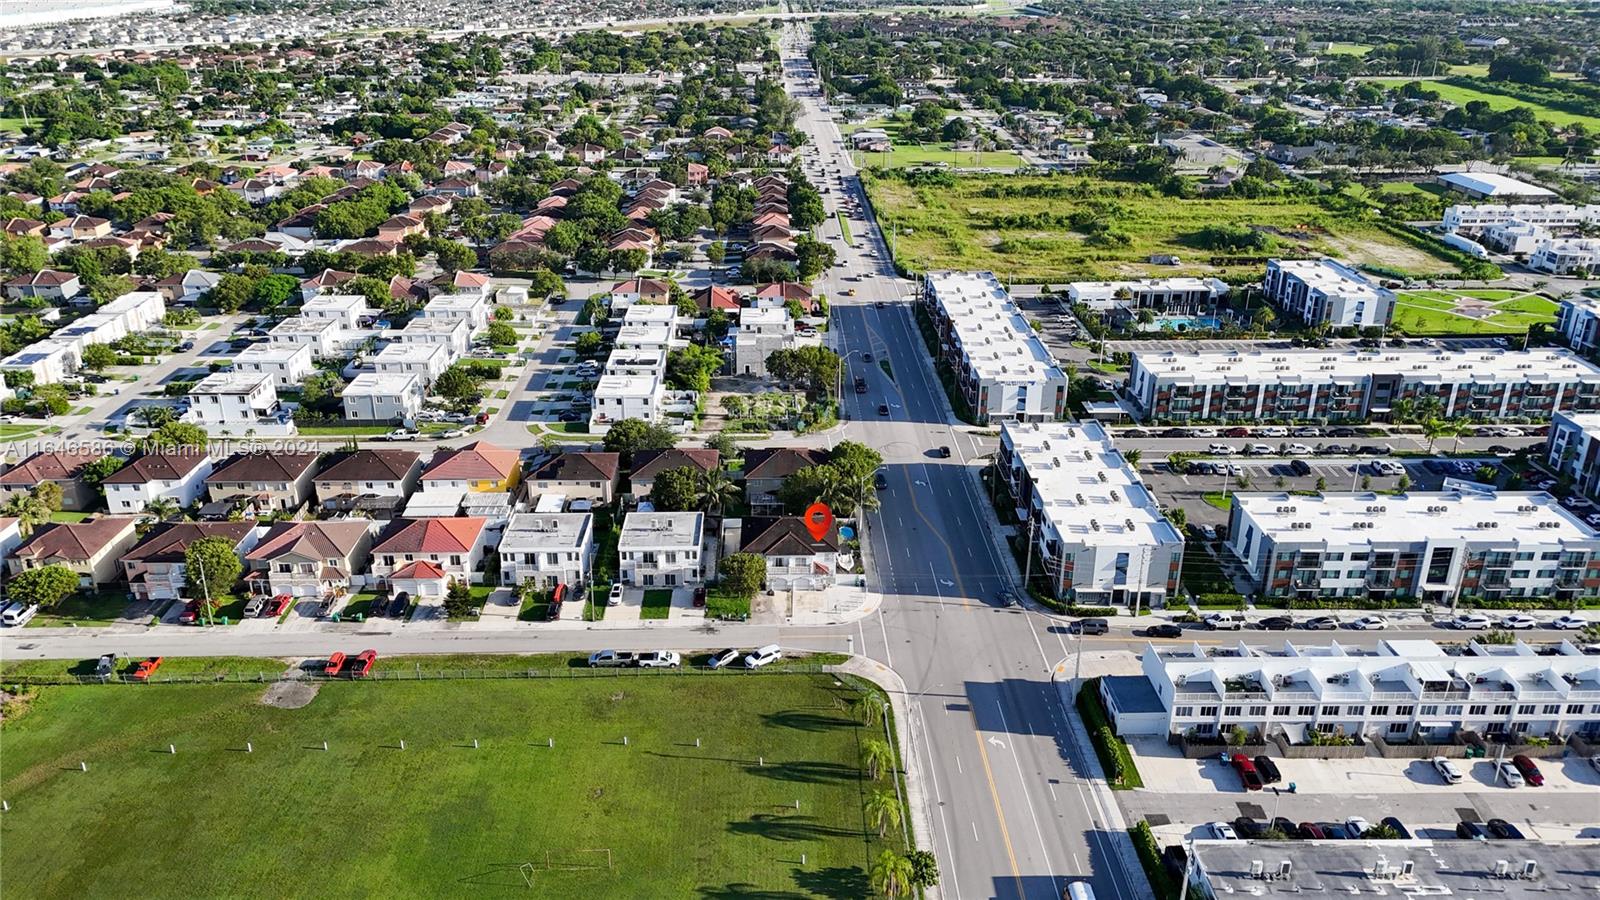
(211, 570)
(677, 489)
(46, 585)
(629, 436)
(742, 574)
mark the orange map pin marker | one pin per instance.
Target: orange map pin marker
(819, 518)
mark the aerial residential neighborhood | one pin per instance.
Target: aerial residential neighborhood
(831, 448)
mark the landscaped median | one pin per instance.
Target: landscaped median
(636, 784)
(1115, 759)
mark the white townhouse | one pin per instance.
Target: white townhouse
(232, 399)
(548, 549)
(454, 334)
(1566, 256)
(759, 333)
(287, 364)
(324, 337)
(661, 549)
(47, 361)
(427, 361)
(348, 310)
(471, 307)
(179, 476)
(1578, 320)
(383, 397)
(1480, 217)
(1326, 291)
(1176, 296)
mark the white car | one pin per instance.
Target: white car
(1203, 432)
(1357, 826)
(1222, 831)
(1569, 623)
(1273, 431)
(1299, 450)
(1447, 770)
(658, 659)
(1509, 772)
(1518, 621)
(762, 656)
(615, 597)
(1370, 623)
(1472, 622)
(1221, 449)
(724, 658)
(1258, 450)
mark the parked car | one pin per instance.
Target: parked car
(1285, 825)
(1472, 831)
(1275, 623)
(1220, 449)
(1357, 826)
(1258, 450)
(724, 658)
(190, 614)
(1508, 773)
(1528, 769)
(1335, 831)
(1090, 626)
(1569, 623)
(657, 659)
(106, 666)
(1249, 828)
(401, 602)
(1300, 467)
(1236, 432)
(1247, 772)
(1447, 770)
(17, 614)
(763, 656)
(1310, 831)
(943, 452)
(1370, 623)
(254, 606)
(1472, 622)
(1273, 431)
(1209, 532)
(1225, 621)
(1518, 621)
(611, 659)
(1399, 827)
(1322, 623)
(1268, 770)
(883, 409)
(1503, 830)
(1299, 450)
(614, 598)
(1163, 631)
(1221, 831)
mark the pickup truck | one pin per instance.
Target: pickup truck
(612, 659)
(658, 659)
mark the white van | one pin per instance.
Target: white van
(18, 614)
(1225, 621)
(1078, 890)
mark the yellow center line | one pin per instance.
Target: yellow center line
(1005, 834)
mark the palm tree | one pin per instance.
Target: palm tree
(883, 811)
(872, 709)
(878, 757)
(717, 490)
(162, 509)
(29, 511)
(1433, 429)
(891, 874)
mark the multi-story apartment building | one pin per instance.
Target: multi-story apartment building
(1097, 532)
(1327, 292)
(547, 548)
(1433, 546)
(233, 398)
(759, 333)
(1578, 320)
(1004, 371)
(1566, 256)
(1400, 690)
(1176, 296)
(1355, 385)
(1554, 216)
(288, 364)
(1573, 449)
(427, 361)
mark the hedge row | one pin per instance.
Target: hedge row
(1120, 771)
(1150, 858)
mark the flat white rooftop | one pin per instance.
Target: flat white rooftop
(1494, 185)
(409, 353)
(538, 531)
(434, 325)
(342, 303)
(644, 334)
(231, 383)
(996, 339)
(1342, 519)
(383, 384)
(300, 325)
(650, 314)
(1086, 489)
(456, 303)
(1329, 277)
(626, 386)
(1313, 366)
(771, 315)
(661, 529)
(1107, 290)
(272, 353)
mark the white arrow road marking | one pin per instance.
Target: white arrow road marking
(997, 742)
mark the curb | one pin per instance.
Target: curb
(916, 801)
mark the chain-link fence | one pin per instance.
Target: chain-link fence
(418, 673)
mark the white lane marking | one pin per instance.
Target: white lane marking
(888, 657)
(974, 831)
(1027, 796)
(938, 796)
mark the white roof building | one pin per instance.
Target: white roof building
(1325, 291)
(288, 364)
(1004, 370)
(1492, 186)
(1479, 216)
(383, 397)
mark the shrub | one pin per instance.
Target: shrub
(1144, 842)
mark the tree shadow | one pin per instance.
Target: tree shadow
(808, 721)
(788, 828)
(745, 891)
(837, 881)
(809, 772)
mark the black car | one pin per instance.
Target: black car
(865, 356)
(1472, 831)
(568, 416)
(1248, 828)
(1503, 830)
(1334, 831)
(943, 452)
(1322, 623)
(1135, 433)
(1163, 631)
(1286, 826)
(1398, 826)
(1342, 432)
(883, 409)
(1397, 342)
(399, 605)
(1437, 467)
(879, 482)
(1089, 626)
(1300, 467)
(1276, 623)
(1268, 770)
(1173, 433)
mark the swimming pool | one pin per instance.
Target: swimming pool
(1185, 323)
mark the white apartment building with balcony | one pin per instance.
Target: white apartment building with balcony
(1436, 546)
(1096, 530)
(661, 549)
(346, 309)
(548, 549)
(1177, 296)
(472, 307)
(383, 397)
(1326, 291)
(235, 403)
(288, 364)
(1004, 371)
(1401, 690)
(454, 334)
(427, 361)
(1566, 256)
(1554, 216)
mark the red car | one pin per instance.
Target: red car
(335, 663)
(1236, 432)
(361, 664)
(1247, 773)
(146, 668)
(278, 605)
(1530, 772)
(190, 614)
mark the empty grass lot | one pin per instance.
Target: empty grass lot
(1471, 312)
(965, 227)
(905, 153)
(441, 818)
(1461, 96)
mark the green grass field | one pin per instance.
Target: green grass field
(1338, 47)
(1461, 96)
(441, 818)
(82, 610)
(1442, 312)
(962, 228)
(657, 604)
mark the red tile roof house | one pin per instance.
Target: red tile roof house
(92, 548)
(282, 480)
(423, 581)
(64, 469)
(455, 544)
(155, 566)
(308, 559)
(716, 296)
(780, 293)
(647, 464)
(364, 479)
(578, 475)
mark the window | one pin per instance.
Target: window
(1525, 709)
(1231, 711)
(1502, 709)
(1552, 709)
(1330, 710)
(1306, 711)
(1258, 711)
(1452, 710)
(1407, 711)
(1380, 710)
(1478, 709)
(1183, 712)
(552, 558)
(1398, 727)
(1280, 710)
(1430, 709)
(1356, 711)
(1326, 728)
(1208, 712)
